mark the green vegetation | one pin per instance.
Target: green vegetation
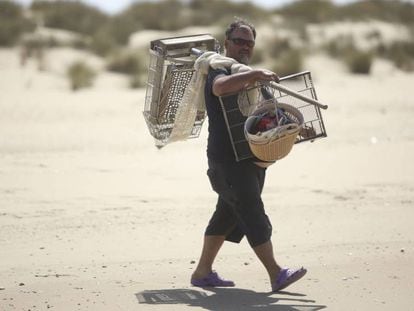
(221, 11)
(401, 54)
(309, 11)
(279, 46)
(148, 15)
(322, 11)
(288, 63)
(70, 15)
(359, 62)
(340, 46)
(131, 63)
(344, 49)
(172, 15)
(259, 56)
(80, 75)
(79, 18)
(127, 63)
(105, 34)
(176, 14)
(103, 44)
(12, 23)
(285, 58)
(385, 10)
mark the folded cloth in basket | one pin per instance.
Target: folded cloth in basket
(274, 133)
(270, 120)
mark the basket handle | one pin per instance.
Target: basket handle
(288, 91)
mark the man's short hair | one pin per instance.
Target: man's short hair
(237, 24)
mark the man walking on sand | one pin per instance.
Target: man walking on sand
(239, 210)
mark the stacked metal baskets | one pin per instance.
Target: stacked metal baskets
(275, 143)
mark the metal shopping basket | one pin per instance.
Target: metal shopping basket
(296, 91)
(171, 68)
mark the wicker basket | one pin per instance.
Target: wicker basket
(275, 143)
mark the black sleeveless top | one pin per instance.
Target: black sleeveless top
(219, 147)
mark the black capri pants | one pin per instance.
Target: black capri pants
(239, 210)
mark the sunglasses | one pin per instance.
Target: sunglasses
(241, 42)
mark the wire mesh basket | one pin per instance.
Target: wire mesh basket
(295, 90)
(171, 67)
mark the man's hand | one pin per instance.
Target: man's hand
(266, 75)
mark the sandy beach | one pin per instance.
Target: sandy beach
(94, 217)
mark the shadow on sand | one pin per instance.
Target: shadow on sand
(229, 299)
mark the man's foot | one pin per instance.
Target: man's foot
(212, 280)
(286, 277)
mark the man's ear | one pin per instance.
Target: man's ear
(226, 42)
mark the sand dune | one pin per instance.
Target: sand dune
(366, 34)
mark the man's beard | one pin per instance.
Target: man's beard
(244, 59)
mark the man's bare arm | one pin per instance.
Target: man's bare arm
(229, 84)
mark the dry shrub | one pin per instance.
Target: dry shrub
(137, 81)
(131, 63)
(103, 44)
(402, 55)
(359, 62)
(80, 75)
(70, 15)
(356, 60)
(340, 46)
(288, 63)
(12, 23)
(258, 56)
(278, 47)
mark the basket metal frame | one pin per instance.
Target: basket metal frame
(171, 67)
(293, 90)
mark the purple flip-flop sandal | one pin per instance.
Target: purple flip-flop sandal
(212, 280)
(286, 277)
